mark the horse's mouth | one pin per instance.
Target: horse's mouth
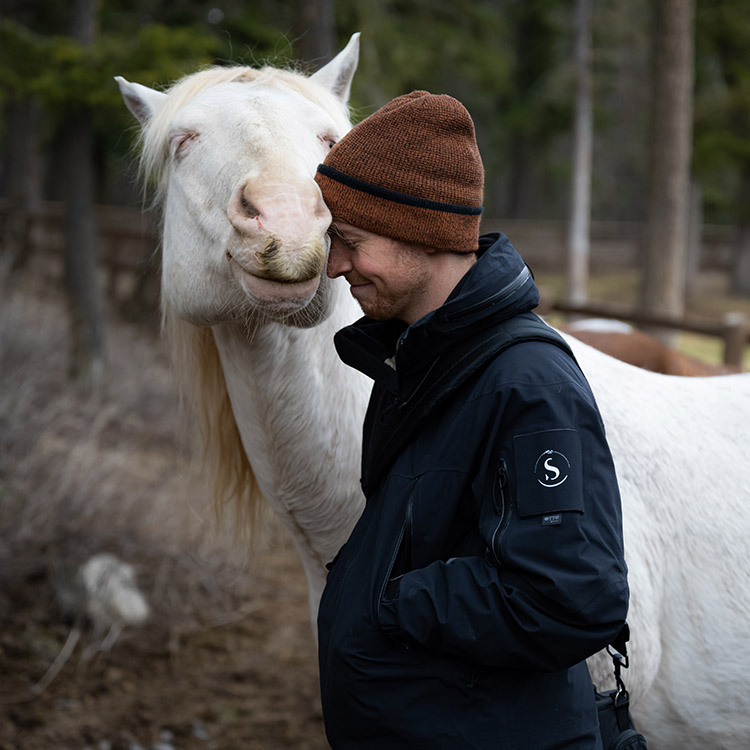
(271, 258)
(262, 285)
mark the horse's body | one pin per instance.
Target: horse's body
(679, 449)
(244, 250)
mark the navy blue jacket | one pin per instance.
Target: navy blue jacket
(488, 562)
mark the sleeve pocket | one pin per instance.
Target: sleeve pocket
(549, 476)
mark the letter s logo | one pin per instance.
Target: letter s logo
(551, 468)
(554, 471)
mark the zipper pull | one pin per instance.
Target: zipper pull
(502, 481)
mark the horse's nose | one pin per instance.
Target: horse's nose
(293, 212)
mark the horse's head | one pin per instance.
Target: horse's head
(234, 152)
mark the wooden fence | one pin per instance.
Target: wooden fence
(127, 235)
(733, 331)
(129, 240)
(615, 245)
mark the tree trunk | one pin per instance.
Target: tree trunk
(741, 262)
(695, 240)
(519, 165)
(583, 139)
(81, 263)
(741, 266)
(23, 179)
(663, 283)
(315, 31)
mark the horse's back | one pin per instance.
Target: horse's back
(681, 438)
(679, 450)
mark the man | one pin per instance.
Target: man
(488, 563)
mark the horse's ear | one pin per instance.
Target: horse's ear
(142, 101)
(337, 75)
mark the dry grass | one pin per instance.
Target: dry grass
(227, 659)
(86, 472)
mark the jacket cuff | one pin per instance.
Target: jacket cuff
(388, 617)
(388, 613)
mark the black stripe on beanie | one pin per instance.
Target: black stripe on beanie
(393, 195)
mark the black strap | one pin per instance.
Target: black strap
(622, 710)
(619, 642)
(442, 381)
(618, 650)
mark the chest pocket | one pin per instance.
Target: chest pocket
(549, 474)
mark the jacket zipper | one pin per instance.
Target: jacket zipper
(500, 508)
(404, 537)
(500, 296)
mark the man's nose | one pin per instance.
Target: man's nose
(338, 262)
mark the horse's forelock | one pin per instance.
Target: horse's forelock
(154, 136)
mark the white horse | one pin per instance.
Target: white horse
(234, 151)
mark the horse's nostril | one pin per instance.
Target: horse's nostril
(248, 208)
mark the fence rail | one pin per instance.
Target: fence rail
(127, 235)
(733, 331)
(128, 240)
(615, 245)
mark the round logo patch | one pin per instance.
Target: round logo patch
(551, 468)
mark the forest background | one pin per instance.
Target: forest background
(227, 659)
(517, 65)
(511, 62)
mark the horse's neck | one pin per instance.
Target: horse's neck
(299, 412)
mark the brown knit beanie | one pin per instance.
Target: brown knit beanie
(410, 171)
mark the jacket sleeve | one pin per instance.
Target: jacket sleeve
(550, 588)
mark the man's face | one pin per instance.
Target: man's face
(389, 279)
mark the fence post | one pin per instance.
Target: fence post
(735, 338)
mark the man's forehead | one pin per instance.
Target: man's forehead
(347, 230)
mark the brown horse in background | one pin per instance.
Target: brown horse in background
(637, 348)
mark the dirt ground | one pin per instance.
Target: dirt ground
(227, 659)
(250, 683)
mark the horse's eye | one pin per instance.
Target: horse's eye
(329, 140)
(180, 140)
